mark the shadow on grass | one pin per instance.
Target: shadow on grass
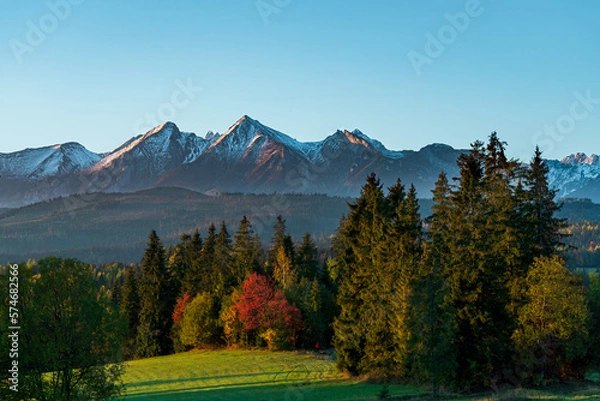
(297, 374)
(274, 391)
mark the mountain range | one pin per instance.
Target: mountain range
(250, 158)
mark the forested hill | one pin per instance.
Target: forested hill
(101, 228)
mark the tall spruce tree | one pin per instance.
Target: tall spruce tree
(541, 208)
(157, 300)
(199, 277)
(307, 258)
(130, 309)
(184, 261)
(404, 248)
(246, 253)
(179, 261)
(224, 281)
(358, 252)
(431, 353)
(477, 270)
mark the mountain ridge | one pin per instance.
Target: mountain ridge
(249, 157)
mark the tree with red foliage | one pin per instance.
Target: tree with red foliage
(267, 314)
(182, 303)
(177, 317)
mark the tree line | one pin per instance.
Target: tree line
(219, 290)
(474, 296)
(584, 244)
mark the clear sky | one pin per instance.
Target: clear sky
(408, 73)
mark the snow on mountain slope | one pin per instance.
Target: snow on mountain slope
(157, 144)
(581, 158)
(249, 157)
(355, 141)
(373, 143)
(248, 133)
(49, 161)
(573, 173)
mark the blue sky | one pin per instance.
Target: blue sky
(103, 71)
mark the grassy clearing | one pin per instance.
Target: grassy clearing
(246, 375)
(287, 376)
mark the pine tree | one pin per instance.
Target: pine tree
(223, 278)
(156, 301)
(432, 356)
(130, 309)
(198, 277)
(404, 250)
(180, 261)
(540, 210)
(246, 253)
(358, 253)
(307, 258)
(477, 270)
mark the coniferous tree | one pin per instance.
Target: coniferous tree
(199, 277)
(181, 261)
(404, 239)
(319, 315)
(357, 249)
(115, 293)
(464, 290)
(431, 352)
(130, 309)
(156, 301)
(477, 274)
(540, 211)
(246, 253)
(221, 269)
(538, 231)
(307, 258)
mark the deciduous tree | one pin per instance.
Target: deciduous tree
(71, 347)
(553, 323)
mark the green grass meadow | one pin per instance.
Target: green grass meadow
(246, 375)
(257, 375)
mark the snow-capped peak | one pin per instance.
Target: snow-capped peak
(246, 132)
(356, 137)
(156, 143)
(581, 158)
(168, 127)
(39, 163)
